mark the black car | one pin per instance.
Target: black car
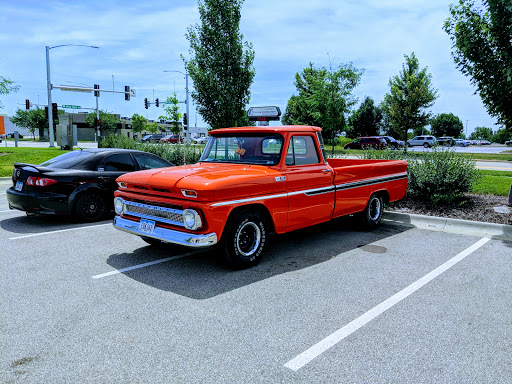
(155, 138)
(392, 142)
(79, 183)
(371, 142)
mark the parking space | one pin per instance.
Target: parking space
(87, 303)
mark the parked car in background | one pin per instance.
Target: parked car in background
(508, 142)
(200, 140)
(392, 143)
(446, 140)
(485, 142)
(426, 141)
(154, 138)
(172, 139)
(461, 143)
(367, 143)
(80, 183)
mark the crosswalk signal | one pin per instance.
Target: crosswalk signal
(146, 103)
(127, 92)
(27, 104)
(157, 102)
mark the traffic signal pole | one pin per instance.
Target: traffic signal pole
(49, 87)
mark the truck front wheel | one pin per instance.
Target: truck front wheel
(245, 239)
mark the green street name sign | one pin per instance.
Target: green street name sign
(72, 106)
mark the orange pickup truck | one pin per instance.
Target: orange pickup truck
(251, 182)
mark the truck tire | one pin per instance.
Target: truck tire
(245, 239)
(372, 214)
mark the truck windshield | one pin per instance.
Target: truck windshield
(256, 148)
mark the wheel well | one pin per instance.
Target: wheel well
(87, 191)
(259, 208)
(384, 194)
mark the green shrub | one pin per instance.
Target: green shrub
(177, 154)
(439, 176)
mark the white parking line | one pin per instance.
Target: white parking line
(60, 230)
(304, 358)
(117, 271)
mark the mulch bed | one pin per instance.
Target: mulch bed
(471, 207)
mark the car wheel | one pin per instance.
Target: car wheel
(90, 206)
(426, 145)
(372, 214)
(245, 239)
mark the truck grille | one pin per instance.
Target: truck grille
(153, 212)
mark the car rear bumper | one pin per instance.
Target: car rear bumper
(49, 204)
(167, 235)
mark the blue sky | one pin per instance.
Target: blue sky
(139, 40)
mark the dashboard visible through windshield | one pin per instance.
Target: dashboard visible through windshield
(261, 149)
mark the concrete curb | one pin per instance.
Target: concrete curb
(444, 224)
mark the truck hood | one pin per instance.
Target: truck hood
(211, 181)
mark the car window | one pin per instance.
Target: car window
(149, 162)
(302, 151)
(119, 162)
(68, 160)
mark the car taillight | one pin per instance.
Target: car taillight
(40, 181)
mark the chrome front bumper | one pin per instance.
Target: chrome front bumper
(167, 235)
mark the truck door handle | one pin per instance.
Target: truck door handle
(326, 170)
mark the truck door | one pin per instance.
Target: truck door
(309, 184)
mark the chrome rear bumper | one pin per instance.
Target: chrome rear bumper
(167, 235)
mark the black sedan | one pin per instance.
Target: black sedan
(79, 183)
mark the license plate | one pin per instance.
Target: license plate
(19, 186)
(146, 226)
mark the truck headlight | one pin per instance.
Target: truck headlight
(119, 205)
(192, 219)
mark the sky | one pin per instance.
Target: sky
(138, 41)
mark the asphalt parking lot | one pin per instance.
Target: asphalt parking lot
(85, 303)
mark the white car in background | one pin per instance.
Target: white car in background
(462, 143)
(200, 140)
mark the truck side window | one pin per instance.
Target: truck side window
(302, 151)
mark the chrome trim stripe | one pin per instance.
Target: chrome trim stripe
(167, 235)
(366, 183)
(317, 191)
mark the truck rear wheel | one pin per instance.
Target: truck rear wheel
(245, 239)
(372, 214)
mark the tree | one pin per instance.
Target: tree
(325, 97)
(221, 64)
(172, 113)
(31, 119)
(7, 86)
(481, 50)
(138, 123)
(446, 124)
(108, 121)
(365, 121)
(411, 93)
(152, 127)
(501, 135)
(481, 133)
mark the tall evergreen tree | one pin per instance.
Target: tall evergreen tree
(221, 64)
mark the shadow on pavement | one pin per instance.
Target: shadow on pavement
(199, 276)
(24, 225)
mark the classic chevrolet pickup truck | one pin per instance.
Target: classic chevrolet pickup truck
(251, 182)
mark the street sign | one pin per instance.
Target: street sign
(263, 113)
(71, 106)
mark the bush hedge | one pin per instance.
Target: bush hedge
(177, 154)
(439, 176)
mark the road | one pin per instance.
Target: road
(86, 303)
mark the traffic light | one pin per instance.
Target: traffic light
(55, 112)
(157, 103)
(185, 120)
(46, 112)
(99, 124)
(95, 121)
(127, 92)
(27, 104)
(96, 93)
(146, 103)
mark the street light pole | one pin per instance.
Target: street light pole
(186, 100)
(49, 87)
